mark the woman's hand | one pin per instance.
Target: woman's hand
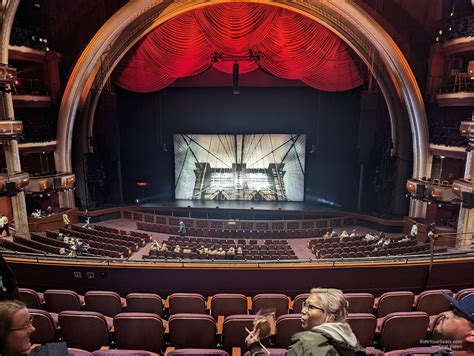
(252, 337)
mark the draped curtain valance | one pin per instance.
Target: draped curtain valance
(290, 45)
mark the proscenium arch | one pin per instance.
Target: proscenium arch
(352, 24)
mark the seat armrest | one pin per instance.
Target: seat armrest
(103, 348)
(220, 324)
(167, 302)
(249, 303)
(236, 351)
(169, 349)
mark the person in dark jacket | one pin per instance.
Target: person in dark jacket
(326, 330)
(8, 284)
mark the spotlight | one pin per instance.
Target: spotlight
(137, 201)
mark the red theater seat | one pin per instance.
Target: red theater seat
(84, 330)
(144, 331)
(145, 303)
(192, 331)
(45, 326)
(432, 302)
(226, 304)
(360, 302)
(31, 298)
(234, 333)
(464, 292)
(392, 302)
(363, 325)
(403, 330)
(287, 325)
(271, 301)
(298, 302)
(106, 303)
(58, 300)
(187, 303)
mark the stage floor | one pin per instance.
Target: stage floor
(241, 205)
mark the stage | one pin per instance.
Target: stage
(240, 205)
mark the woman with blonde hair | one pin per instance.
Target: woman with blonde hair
(15, 328)
(323, 317)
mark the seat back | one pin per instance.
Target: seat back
(31, 298)
(139, 331)
(189, 330)
(298, 302)
(360, 302)
(234, 333)
(213, 352)
(278, 302)
(363, 325)
(45, 327)
(113, 352)
(145, 303)
(287, 325)
(187, 303)
(106, 303)
(58, 300)
(464, 292)
(84, 330)
(433, 302)
(226, 304)
(392, 302)
(403, 330)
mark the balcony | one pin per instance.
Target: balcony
(10, 128)
(432, 190)
(57, 182)
(10, 184)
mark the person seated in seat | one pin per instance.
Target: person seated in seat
(239, 250)
(155, 246)
(326, 330)
(186, 250)
(164, 247)
(457, 325)
(343, 235)
(60, 236)
(353, 233)
(333, 234)
(15, 328)
(405, 238)
(369, 237)
(177, 249)
(326, 235)
(231, 252)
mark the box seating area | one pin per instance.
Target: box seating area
(145, 321)
(358, 247)
(225, 233)
(251, 250)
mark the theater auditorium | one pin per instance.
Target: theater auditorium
(176, 174)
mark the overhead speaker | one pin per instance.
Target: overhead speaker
(468, 200)
(11, 189)
(420, 191)
(235, 78)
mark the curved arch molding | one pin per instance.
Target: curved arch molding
(137, 18)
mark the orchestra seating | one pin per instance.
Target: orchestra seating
(270, 249)
(190, 321)
(234, 234)
(357, 246)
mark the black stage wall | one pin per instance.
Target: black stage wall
(330, 121)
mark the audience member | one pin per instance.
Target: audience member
(414, 231)
(343, 235)
(239, 250)
(353, 233)
(177, 249)
(4, 225)
(66, 221)
(457, 325)
(49, 210)
(327, 332)
(15, 328)
(155, 246)
(8, 284)
(333, 234)
(326, 235)
(164, 247)
(182, 229)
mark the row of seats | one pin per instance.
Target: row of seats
(92, 330)
(141, 241)
(110, 304)
(127, 245)
(224, 233)
(142, 326)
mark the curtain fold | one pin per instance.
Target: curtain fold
(291, 46)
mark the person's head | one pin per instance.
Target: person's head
(322, 306)
(15, 328)
(457, 324)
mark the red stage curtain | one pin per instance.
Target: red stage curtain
(291, 46)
